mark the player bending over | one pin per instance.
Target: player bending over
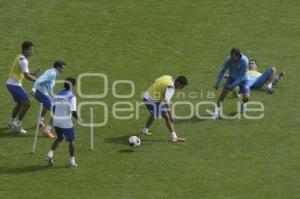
(64, 107)
(268, 77)
(237, 66)
(18, 71)
(43, 92)
(157, 99)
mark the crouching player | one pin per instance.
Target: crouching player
(64, 107)
(157, 99)
(237, 66)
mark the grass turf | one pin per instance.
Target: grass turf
(140, 40)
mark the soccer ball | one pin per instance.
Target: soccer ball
(134, 141)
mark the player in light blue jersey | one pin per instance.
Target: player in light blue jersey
(43, 92)
(64, 107)
(237, 66)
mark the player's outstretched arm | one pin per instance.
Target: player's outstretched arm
(30, 77)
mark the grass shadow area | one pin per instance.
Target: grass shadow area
(28, 169)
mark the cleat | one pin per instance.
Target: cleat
(50, 161)
(215, 116)
(144, 133)
(179, 139)
(48, 134)
(11, 124)
(73, 165)
(19, 129)
(269, 90)
(42, 124)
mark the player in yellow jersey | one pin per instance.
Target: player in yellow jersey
(268, 77)
(19, 70)
(157, 100)
(256, 79)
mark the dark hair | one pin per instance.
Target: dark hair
(26, 45)
(182, 80)
(236, 51)
(59, 64)
(69, 83)
(252, 60)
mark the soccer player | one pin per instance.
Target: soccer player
(157, 99)
(43, 92)
(268, 77)
(64, 107)
(18, 71)
(237, 66)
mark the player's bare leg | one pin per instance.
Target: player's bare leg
(171, 128)
(220, 101)
(14, 115)
(50, 154)
(26, 106)
(72, 162)
(270, 81)
(47, 132)
(18, 122)
(149, 122)
(246, 97)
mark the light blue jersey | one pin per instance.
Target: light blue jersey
(237, 71)
(45, 83)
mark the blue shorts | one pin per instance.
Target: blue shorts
(67, 134)
(158, 109)
(18, 92)
(44, 99)
(263, 78)
(244, 85)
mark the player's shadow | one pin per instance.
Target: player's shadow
(8, 132)
(193, 119)
(126, 151)
(118, 140)
(29, 169)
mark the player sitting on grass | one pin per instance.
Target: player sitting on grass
(237, 65)
(64, 107)
(43, 91)
(18, 71)
(157, 99)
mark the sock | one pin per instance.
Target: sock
(218, 110)
(72, 160)
(173, 135)
(50, 153)
(18, 122)
(146, 130)
(269, 85)
(42, 119)
(243, 107)
(276, 80)
(12, 120)
(48, 127)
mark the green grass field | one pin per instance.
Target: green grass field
(140, 40)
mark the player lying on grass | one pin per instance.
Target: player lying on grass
(257, 80)
(64, 107)
(43, 92)
(268, 77)
(157, 99)
(18, 71)
(237, 66)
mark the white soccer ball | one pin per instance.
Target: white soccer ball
(134, 141)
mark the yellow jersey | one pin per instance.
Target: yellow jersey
(158, 89)
(16, 71)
